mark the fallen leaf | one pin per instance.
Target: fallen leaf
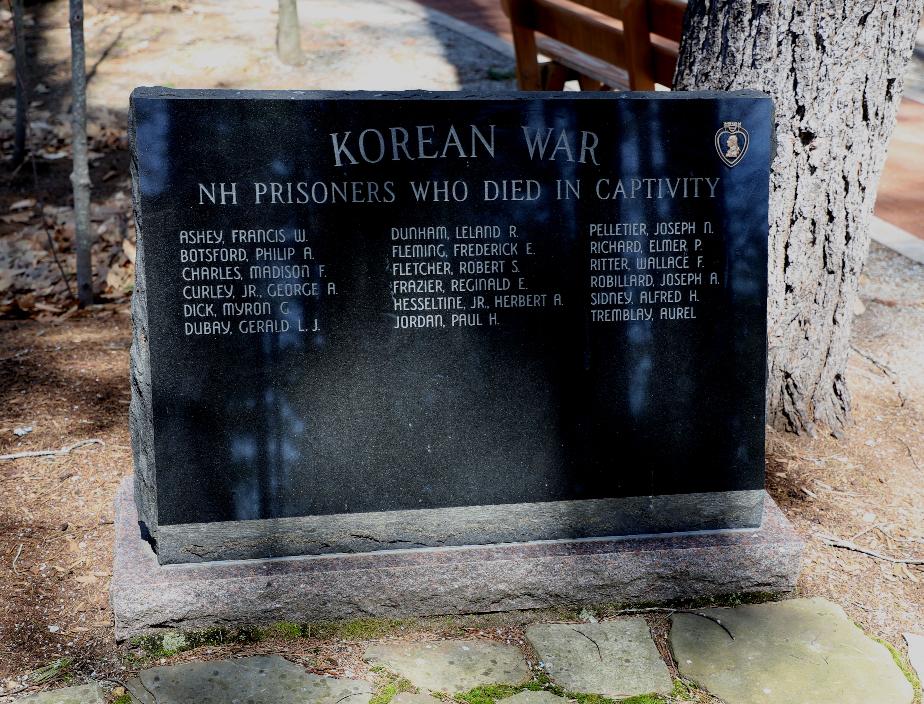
(17, 217)
(23, 204)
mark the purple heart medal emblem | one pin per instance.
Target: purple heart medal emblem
(731, 142)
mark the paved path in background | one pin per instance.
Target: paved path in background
(787, 652)
(484, 14)
(900, 199)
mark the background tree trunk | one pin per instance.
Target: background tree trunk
(288, 38)
(80, 174)
(834, 69)
(22, 85)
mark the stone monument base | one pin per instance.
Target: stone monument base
(148, 597)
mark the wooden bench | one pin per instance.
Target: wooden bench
(604, 44)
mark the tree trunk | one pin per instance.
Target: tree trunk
(288, 39)
(22, 85)
(834, 69)
(80, 174)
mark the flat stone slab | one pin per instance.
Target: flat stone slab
(529, 696)
(150, 598)
(411, 698)
(615, 658)
(787, 652)
(84, 694)
(451, 665)
(254, 680)
(916, 653)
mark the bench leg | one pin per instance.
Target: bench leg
(588, 83)
(554, 76)
(529, 76)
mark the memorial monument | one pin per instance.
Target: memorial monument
(408, 353)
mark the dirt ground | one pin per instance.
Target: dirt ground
(64, 374)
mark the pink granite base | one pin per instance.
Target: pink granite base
(148, 597)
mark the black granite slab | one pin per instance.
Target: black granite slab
(331, 361)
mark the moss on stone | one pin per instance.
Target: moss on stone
(171, 643)
(174, 642)
(167, 644)
(541, 682)
(285, 629)
(359, 629)
(124, 699)
(682, 690)
(582, 698)
(905, 667)
(390, 689)
(490, 693)
(366, 628)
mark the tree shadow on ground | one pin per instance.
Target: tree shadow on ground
(85, 379)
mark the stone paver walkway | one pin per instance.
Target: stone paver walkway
(84, 694)
(451, 665)
(615, 659)
(802, 651)
(254, 680)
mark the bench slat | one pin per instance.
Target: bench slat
(572, 24)
(606, 73)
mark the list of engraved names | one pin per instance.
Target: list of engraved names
(240, 281)
(463, 275)
(245, 281)
(649, 271)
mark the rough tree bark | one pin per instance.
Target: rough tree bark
(22, 85)
(80, 174)
(834, 69)
(288, 38)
